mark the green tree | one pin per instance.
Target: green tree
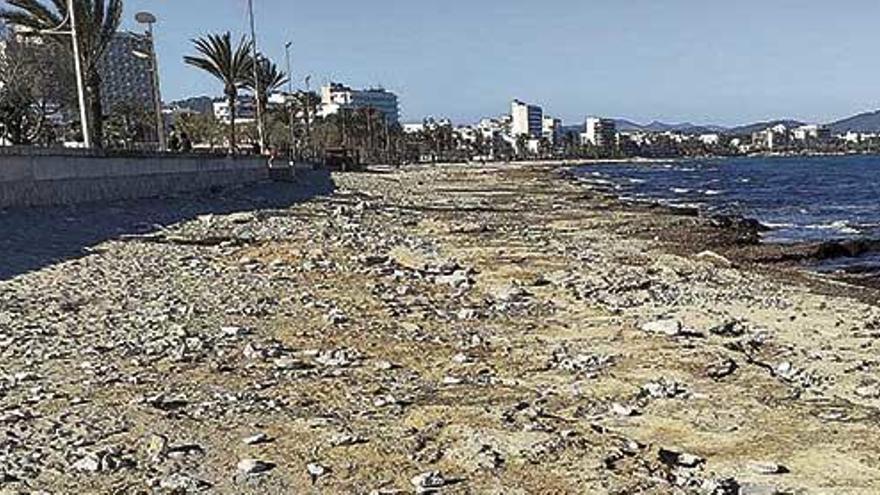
(271, 79)
(97, 23)
(232, 65)
(129, 123)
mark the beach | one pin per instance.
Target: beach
(495, 328)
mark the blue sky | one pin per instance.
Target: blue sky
(703, 61)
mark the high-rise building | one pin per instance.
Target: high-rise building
(599, 132)
(526, 120)
(336, 97)
(551, 129)
(126, 72)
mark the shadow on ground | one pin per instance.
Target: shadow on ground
(32, 238)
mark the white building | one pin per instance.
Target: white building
(526, 120)
(245, 110)
(811, 132)
(414, 128)
(599, 132)
(710, 139)
(336, 97)
(552, 129)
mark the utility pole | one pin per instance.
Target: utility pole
(257, 90)
(291, 112)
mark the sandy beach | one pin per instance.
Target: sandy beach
(496, 329)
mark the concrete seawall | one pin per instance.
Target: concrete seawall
(39, 178)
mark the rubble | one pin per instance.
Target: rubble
(496, 321)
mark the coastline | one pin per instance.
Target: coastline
(498, 329)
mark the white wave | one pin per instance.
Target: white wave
(841, 226)
(712, 192)
(679, 190)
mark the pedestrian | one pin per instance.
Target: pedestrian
(186, 145)
(173, 141)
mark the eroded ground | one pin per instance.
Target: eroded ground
(493, 330)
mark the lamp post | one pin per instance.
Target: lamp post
(77, 65)
(149, 19)
(308, 104)
(290, 109)
(257, 90)
(80, 87)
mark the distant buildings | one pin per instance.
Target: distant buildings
(336, 97)
(811, 132)
(599, 132)
(245, 110)
(526, 120)
(551, 129)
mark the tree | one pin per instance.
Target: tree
(34, 84)
(202, 128)
(129, 123)
(232, 65)
(97, 24)
(271, 79)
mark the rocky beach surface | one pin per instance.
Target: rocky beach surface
(452, 329)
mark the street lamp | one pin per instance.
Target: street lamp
(257, 90)
(77, 64)
(290, 117)
(149, 19)
(308, 97)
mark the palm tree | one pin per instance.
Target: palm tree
(271, 79)
(230, 64)
(97, 22)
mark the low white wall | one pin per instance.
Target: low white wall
(38, 178)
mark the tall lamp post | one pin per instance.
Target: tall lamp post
(149, 19)
(257, 90)
(308, 116)
(290, 110)
(77, 65)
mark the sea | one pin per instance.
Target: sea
(800, 199)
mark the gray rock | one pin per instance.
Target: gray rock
(767, 468)
(91, 463)
(663, 327)
(254, 466)
(178, 482)
(428, 482)
(680, 459)
(256, 439)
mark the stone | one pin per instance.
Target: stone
(156, 447)
(254, 466)
(182, 483)
(721, 369)
(428, 482)
(256, 439)
(664, 327)
(347, 439)
(733, 328)
(623, 410)
(679, 459)
(758, 489)
(767, 468)
(316, 470)
(91, 463)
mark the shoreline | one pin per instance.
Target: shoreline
(788, 253)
